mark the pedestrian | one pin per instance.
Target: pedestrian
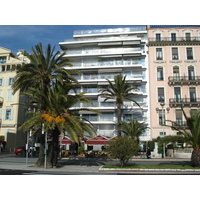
(1, 147)
(148, 153)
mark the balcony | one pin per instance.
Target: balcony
(163, 41)
(138, 63)
(105, 52)
(185, 102)
(179, 123)
(102, 77)
(180, 80)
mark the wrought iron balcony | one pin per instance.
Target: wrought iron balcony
(180, 123)
(186, 102)
(180, 80)
(171, 40)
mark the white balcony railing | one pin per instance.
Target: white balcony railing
(103, 51)
(110, 63)
(109, 38)
(107, 76)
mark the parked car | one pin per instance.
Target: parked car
(19, 150)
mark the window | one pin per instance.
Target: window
(10, 81)
(177, 94)
(176, 74)
(10, 95)
(2, 68)
(174, 53)
(173, 36)
(161, 117)
(187, 36)
(2, 59)
(192, 94)
(91, 117)
(189, 53)
(106, 117)
(159, 55)
(179, 119)
(1, 82)
(160, 74)
(191, 75)
(161, 96)
(8, 114)
(162, 134)
(158, 38)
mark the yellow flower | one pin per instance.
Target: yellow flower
(47, 117)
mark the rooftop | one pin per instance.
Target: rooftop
(172, 26)
(111, 30)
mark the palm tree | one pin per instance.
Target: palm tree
(58, 117)
(46, 68)
(119, 90)
(133, 128)
(191, 134)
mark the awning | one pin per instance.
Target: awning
(98, 140)
(66, 140)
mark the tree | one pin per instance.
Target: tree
(133, 128)
(191, 134)
(57, 118)
(119, 90)
(122, 148)
(46, 68)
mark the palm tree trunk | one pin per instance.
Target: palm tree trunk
(195, 158)
(119, 118)
(55, 149)
(40, 161)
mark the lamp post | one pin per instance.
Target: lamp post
(162, 104)
(45, 146)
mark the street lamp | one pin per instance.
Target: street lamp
(45, 146)
(162, 104)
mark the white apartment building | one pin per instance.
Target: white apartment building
(101, 54)
(12, 115)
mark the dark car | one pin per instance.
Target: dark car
(19, 150)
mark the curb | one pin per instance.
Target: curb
(155, 170)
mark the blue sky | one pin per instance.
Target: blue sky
(16, 37)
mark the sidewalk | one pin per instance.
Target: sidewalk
(85, 168)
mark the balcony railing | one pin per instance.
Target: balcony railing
(111, 63)
(107, 76)
(187, 102)
(103, 51)
(183, 80)
(177, 39)
(179, 123)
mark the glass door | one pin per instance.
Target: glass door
(177, 94)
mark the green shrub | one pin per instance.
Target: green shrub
(123, 148)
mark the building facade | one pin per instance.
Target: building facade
(12, 115)
(174, 71)
(102, 54)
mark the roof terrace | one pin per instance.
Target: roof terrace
(110, 30)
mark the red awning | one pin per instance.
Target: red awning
(66, 140)
(99, 140)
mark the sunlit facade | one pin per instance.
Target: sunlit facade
(12, 115)
(174, 71)
(101, 54)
